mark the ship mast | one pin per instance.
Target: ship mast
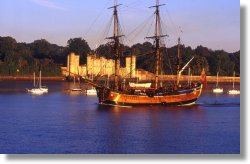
(157, 37)
(116, 45)
(178, 62)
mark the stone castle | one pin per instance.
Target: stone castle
(98, 66)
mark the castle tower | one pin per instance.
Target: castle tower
(131, 65)
(73, 64)
(89, 65)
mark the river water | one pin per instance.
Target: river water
(58, 123)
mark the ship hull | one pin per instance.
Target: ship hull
(189, 102)
(181, 97)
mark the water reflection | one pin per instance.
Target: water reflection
(138, 109)
(149, 125)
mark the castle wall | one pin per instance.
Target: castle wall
(98, 66)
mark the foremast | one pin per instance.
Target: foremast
(157, 37)
(116, 45)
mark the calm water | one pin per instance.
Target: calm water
(62, 123)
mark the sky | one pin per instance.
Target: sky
(211, 23)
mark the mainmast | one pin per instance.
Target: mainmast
(157, 37)
(116, 42)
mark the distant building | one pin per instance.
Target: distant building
(98, 66)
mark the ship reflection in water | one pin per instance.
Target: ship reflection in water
(61, 123)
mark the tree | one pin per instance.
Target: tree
(144, 56)
(226, 65)
(235, 58)
(198, 64)
(41, 49)
(7, 44)
(11, 61)
(80, 47)
(105, 50)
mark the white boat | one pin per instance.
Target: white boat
(217, 89)
(234, 91)
(140, 85)
(76, 90)
(37, 91)
(91, 92)
(40, 89)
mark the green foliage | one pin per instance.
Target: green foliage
(144, 56)
(24, 59)
(80, 47)
(105, 50)
(6, 44)
(41, 49)
(212, 61)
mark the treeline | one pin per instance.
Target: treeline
(212, 61)
(25, 58)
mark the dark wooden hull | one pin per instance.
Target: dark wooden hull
(180, 97)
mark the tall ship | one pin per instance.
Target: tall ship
(146, 93)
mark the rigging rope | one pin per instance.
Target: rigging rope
(171, 21)
(139, 28)
(95, 20)
(105, 32)
(137, 31)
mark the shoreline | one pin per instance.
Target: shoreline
(28, 78)
(210, 79)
